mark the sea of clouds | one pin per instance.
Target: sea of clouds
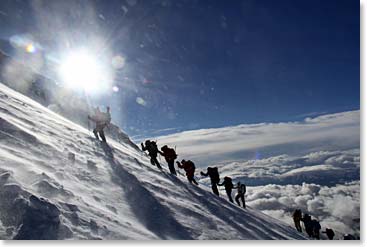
(338, 131)
(312, 164)
(324, 184)
(336, 207)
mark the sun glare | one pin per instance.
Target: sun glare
(80, 70)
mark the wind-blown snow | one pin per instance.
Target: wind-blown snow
(95, 191)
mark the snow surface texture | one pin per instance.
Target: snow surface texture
(57, 182)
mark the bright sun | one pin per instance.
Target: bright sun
(80, 70)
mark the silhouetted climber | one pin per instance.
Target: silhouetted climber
(151, 147)
(297, 216)
(102, 119)
(241, 191)
(212, 172)
(189, 168)
(329, 233)
(308, 226)
(316, 227)
(170, 155)
(228, 185)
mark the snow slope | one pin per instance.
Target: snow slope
(106, 192)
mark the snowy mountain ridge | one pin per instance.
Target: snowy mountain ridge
(18, 74)
(57, 182)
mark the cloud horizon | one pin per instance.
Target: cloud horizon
(338, 131)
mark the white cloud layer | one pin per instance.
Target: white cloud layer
(249, 141)
(313, 165)
(336, 207)
(323, 167)
(324, 184)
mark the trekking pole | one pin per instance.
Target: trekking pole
(89, 109)
(88, 125)
(179, 172)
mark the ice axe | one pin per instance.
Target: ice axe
(88, 124)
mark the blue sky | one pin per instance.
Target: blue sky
(201, 64)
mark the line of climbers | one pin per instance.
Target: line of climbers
(189, 167)
(313, 227)
(103, 119)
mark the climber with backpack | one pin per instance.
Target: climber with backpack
(189, 168)
(228, 185)
(316, 227)
(241, 191)
(329, 233)
(102, 119)
(170, 155)
(152, 148)
(297, 216)
(212, 172)
(308, 225)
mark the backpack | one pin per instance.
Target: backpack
(151, 146)
(317, 225)
(242, 189)
(306, 218)
(297, 214)
(191, 165)
(102, 118)
(330, 232)
(228, 180)
(171, 154)
(214, 175)
(147, 143)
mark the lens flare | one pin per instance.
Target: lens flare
(25, 42)
(118, 62)
(141, 101)
(30, 48)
